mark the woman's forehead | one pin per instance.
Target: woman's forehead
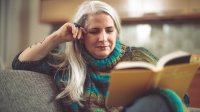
(99, 20)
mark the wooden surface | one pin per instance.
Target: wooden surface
(130, 11)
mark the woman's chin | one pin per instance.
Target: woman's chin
(101, 56)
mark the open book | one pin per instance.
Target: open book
(131, 79)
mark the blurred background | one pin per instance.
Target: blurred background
(161, 26)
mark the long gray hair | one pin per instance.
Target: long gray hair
(76, 63)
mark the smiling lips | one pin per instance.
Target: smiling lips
(102, 47)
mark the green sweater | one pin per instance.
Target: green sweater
(97, 79)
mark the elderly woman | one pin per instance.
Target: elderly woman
(93, 48)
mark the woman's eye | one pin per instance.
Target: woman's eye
(109, 30)
(97, 30)
(94, 31)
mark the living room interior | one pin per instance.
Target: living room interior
(161, 26)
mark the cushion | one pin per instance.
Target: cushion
(25, 91)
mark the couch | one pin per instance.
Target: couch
(25, 91)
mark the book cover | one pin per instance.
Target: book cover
(131, 79)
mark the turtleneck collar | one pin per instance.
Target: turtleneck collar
(107, 63)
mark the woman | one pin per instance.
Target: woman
(92, 50)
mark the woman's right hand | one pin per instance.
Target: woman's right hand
(68, 32)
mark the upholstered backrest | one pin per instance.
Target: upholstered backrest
(25, 91)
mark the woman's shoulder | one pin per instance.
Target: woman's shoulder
(136, 50)
(139, 54)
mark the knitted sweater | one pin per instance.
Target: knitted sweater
(97, 78)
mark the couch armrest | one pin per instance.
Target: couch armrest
(25, 91)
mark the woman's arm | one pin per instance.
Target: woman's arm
(66, 33)
(35, 58)
(39, 50)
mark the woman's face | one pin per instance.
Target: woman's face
(100, 36)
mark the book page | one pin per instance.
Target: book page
(136, 64)
(178, 57)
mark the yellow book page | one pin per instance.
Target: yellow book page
(178, 77)
(127, 84)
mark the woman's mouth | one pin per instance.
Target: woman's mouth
(102, 47)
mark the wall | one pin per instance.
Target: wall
(20, 27)
(10, 25)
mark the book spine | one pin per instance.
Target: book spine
(156, 80)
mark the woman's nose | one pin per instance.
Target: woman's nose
(103, 36)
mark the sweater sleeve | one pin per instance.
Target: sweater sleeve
(40, 66)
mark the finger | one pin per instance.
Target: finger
(69, 27)
(79, 34)
(74, 31)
